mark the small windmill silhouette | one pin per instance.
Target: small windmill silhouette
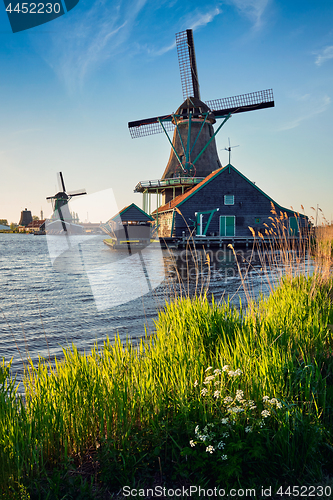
(60, 204)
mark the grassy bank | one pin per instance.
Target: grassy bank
(217, 395)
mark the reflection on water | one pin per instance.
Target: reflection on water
(223, 273)
(93, 292)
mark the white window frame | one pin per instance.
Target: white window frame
(226, 196)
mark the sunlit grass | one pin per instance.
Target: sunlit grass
(134, 408)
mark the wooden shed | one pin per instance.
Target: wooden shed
(130, 225)
(225, 204)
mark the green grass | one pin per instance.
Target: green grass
(125, 414)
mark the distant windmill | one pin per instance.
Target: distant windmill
(60, 204)
(230, 148)
(193, 148)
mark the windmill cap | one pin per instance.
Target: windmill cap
(196, 107)
(61, 194)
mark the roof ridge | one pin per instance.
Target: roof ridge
(182, 197)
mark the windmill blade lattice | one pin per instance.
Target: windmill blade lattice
(151, 126)
(187, 64)
(241, 103)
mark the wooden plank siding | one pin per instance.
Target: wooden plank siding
(252, 207)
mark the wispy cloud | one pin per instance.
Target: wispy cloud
(253, 9)
(163, 50)
(314, 108)
(324, 55)
(90, 38)
(194, 21)
(203, 19)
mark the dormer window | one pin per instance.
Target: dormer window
(229, 199)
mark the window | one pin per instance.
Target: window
(229, 199)
(293, 226)
(257, 220)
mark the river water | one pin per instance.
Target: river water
(51, 298)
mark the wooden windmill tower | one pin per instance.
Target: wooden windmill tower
(193, 149)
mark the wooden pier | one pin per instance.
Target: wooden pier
(218, 242)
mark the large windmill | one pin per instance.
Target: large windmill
(62, 220)
(193, 148)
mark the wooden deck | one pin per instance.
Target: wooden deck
(222, 242)
(198, 242)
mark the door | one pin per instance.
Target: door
(227, 225)
(293, 226)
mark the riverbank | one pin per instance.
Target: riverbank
(218, 396)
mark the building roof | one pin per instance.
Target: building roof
(4, 228)
(179, 200)
(182, 197)
(132, 213)
(35, 223)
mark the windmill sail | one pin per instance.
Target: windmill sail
(241, 103)
(219, 107)
(150, 126)
(187, 64)
(61, 182)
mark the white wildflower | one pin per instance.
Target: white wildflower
(265, 398)
(265, 413)
(225, 434)
(209, 379)
(225, 420)
(253, 407)
(196, 430)
(225, 368)
(273, 401)
(209, 368)
(221, 445)
(192, 443)
(195, 383)
(238, 372)
(217, 382)
(210, 449)
(231, 373)
(239, 395)
(278, 405)
(203, 437)
(248, 429)
(217, 371)
(217, 394)
(228, 399)
(204, 391)
(235, 409)
(224, 457)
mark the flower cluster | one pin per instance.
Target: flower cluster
(238, 411)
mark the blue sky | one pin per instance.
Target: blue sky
(69, 87)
